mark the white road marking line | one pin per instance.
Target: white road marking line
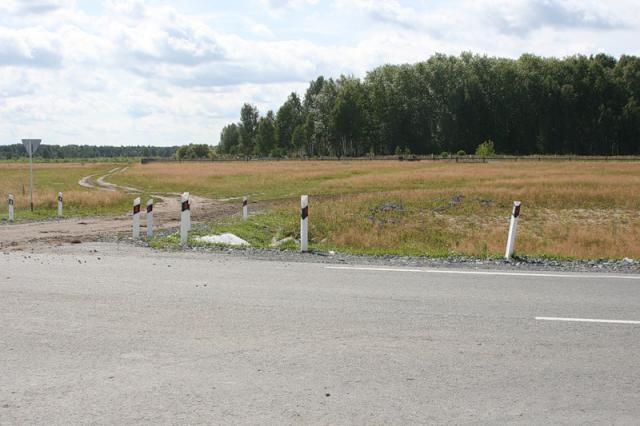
(587, 320)
(508, 274)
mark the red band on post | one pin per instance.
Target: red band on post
(185, 206)
(136, 209)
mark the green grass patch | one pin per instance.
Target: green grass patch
(280, 228)
(261, 230)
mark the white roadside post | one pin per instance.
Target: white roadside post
(136, 218)
(513, 230)
(185, 219)
(150, 218)
(59, 204)
(245, 208)
(11, 202)
(304, 223)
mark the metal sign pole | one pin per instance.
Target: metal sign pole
(31, 145)
(31, 180)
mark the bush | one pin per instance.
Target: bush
(486, 148)
(444, 154)
(193, 152)
(461, 153)
(277, 153)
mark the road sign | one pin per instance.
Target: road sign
(31, 145)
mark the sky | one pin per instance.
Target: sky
(136, 72)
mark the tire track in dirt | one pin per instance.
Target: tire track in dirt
(73, 230)
(202, 208)
(85, 182)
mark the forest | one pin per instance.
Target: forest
(580, 105)
(58, 152)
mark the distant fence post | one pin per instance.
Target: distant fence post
(11, 201)
(245, 208)
(150, 218)
(59, 204)
(513, 230)
(185, 219)
(304, 223)
(136, 218)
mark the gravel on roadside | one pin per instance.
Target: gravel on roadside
(619, 266)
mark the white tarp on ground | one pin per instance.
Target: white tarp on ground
(226, 238)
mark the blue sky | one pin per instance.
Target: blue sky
(136, 72)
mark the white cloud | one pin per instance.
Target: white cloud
(261, 30)
(522, 17)
(386, 11)
(140, 73)
(162, 35)
(29, 47)
(33, 7)
(288, 4)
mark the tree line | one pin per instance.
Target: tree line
(16, 151)
(581, 105)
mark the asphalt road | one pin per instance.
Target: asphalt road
(124, 335)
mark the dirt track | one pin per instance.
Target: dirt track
(74, 230)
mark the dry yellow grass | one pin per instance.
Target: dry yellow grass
(51, 178)
(573, 209)
(415, 225)
(557, 184)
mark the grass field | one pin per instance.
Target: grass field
(51, 178)
(570, 209)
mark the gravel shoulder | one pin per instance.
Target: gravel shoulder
(627, 266)
(127, 247)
